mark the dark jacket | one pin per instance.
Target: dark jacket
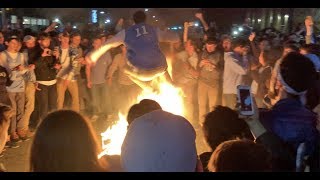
(45, 70)
(283, 156)
(34, 54)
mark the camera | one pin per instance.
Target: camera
(49, 52)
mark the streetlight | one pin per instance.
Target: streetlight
(196, 24)
(153, 16)
(74, 27)
(107, 21)
(56, 20)
(259, 20)
(286, 16)
(146, 10)
(101, 12)
(156, 19)
(240, 29)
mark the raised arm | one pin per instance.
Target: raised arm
(253, 46)
(203, 22)
(185, 32)
(119, 25)
(309, 30)
(115, 41)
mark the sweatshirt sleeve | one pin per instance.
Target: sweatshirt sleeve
(235, 65)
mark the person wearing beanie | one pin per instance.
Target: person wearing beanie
(289, 119)
(159, 142)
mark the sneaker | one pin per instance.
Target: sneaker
(16, 140)
(25, 138)
(13, 144)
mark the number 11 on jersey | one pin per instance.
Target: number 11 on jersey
(144, 31)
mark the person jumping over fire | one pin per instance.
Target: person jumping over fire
(146, 62)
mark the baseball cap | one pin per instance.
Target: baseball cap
(159, 142)
(29, 38)
(13, 37)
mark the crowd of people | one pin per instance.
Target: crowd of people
(53, 71)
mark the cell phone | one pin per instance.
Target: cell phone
(245, 100)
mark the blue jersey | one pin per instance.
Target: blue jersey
(143, 49)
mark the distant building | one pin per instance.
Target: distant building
(282, 19)
(17, 18)
(278, 18)
(37, 18)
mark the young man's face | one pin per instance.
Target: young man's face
(211, 47)
(65, 40)
(85, 42)
(13, 45)
(96, 43)
(30, 44)
(45, 43)
(76, 40)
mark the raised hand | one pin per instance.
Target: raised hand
(252, 36)
(199, 15)
(308, 21)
